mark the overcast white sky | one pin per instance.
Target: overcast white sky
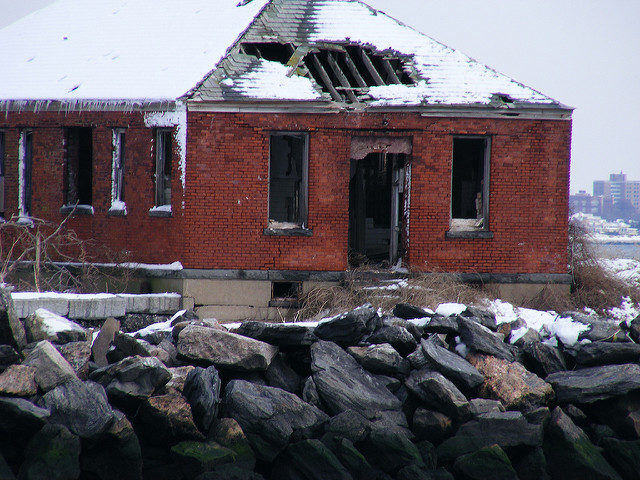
(584, 53)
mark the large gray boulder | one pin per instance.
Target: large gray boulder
(82, 407)
(451, 365)
(19, 421)
(281, 375)
(383, 359)
(488, 463)
(349, 328)
(343, 384)
(51, 367)
(224, 350)
(435, 391)
(480, 339)
(283, 335)
(11, 329)
(596, 383)
(543, 359)
(45, 325)
(311, 460)
(397, 336)
(507, 429)
(604, 353)
(202, 391)
(270, 417)
(133, 377)
(52, 454)
(103, 341)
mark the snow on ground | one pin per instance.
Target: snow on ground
(447, 309)
(54, 324)
(625, 268)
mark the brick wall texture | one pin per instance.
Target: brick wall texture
(218, 220)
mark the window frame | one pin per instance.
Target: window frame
(160, 169)
(3, 149)
(118, 170)
(25, 185)
(300, 228)
(463, 227)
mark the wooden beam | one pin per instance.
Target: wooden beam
(389, 69)
(372, 69)
(342, 78)
(325, 77)
(354, 70)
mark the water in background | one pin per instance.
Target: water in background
(619, 250)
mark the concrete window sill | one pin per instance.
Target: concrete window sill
(469, 234)
(162, 211)
(76, 209)
(288, 232)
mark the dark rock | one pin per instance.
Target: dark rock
(126, 346)
(603, 353)
(598, 432)
(51, 367)
(531, 336)
(8, 356)
(349, 424)
(417, 359)
(228, 433)
(507, 429)
(570, 454)
(269, 416)
(202, 391)
(11, 329)
(634, 329)
(393, 384)
(133, 377)
(103, 341)
(351, 458)
(312, 460)
(510, 383)
(52, 454)
(531, 465)
(5, 471)
(349, 328)
(631, 425)
(38, 326)
(343, 384)
(132, 322)
(596, 383)
(482, 316)
(441, 324)
(78, 354)
(19, 421)
(310, 393)
(398, 337)
(414, 472)
(178, 378)
(195, 458)
(432, 426)
(408, 312)
(114, 455)
(389, 449)
(283, 335)
(488, 463)
(230, 472)
(603, 331)
(81, 407)
(428, 453)
(480, 406)
(624, 455)
(543, 359)
(480, 339)
(539, 415)
(184, 316)
(575, 414)
(18, 381)
(411, 327)
(224, 349)
(451, 365)
(166, 420)
(381, 358)
(281, 375)
(438, 392)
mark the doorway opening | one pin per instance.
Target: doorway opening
(376, 204)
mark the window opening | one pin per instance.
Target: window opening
(2, 160)
(117, 174)
(285, 294)
(79, 166)
(164, 149)
(469, 184)
(288, 166)
(25, 156)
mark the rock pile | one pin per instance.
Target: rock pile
(408, 396)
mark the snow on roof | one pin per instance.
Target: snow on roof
(145, 50)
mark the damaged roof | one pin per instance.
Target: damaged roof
(329, 52)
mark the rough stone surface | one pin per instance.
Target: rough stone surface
(381, 358)
(92, 307)
(269, 416)
(407, 311)
(439, 393)
(202, 391)
(224, 349)
(8, 356)
(482, 316)
(431, 425)
(152, 303)
(624, 455)
(480, 339)
(310, 393)
(81, 407)
(228, 433)
(281, 375)
(390, 449)
(350, 424)
(397, 336)
(507, 429)
(312, 460)
(488, 463)
(511, 383)
(441, 324)
(166, 420)
(603, 331)
(19, 421)
(52, 454)
(195, 458)
(479, 406)
(543, 359)
(349, 328)
(344, 385)
(451, 365)
(279, 334)
(11, 329)
(596, 383)
(51, 367)
(103, 341)
(135, 377)
(18, 381)
(45, 325)
(178, 377)
(78, 354)
(603, 353)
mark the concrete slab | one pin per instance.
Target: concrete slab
(255, 293)
(26, 303)
(152, 303)
(96, 306)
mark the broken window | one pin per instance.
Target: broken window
(2, 150)
(78, 167)
(469, 183)
(164, 148)
(117, 173)
(344, 71)
(25, 161)
(285, 294)
(288, 166)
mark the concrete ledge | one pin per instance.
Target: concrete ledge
(26, 303)
(153, 303)
(98, 306)
(238, 313)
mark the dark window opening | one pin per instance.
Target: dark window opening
(469, 192)
(286, 294)
(164, 149)
(2, 152)
(345, 72)
(288, 179)
(79, 166)
(117, 187)
(26, 166)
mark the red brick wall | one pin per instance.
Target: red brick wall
(226, 199)
(136, 236)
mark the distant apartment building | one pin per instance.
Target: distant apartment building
(617, 197)
(584, 202)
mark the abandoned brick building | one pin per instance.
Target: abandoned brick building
(266, 145)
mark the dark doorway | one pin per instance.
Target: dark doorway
(376, 199)
(79, 166)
